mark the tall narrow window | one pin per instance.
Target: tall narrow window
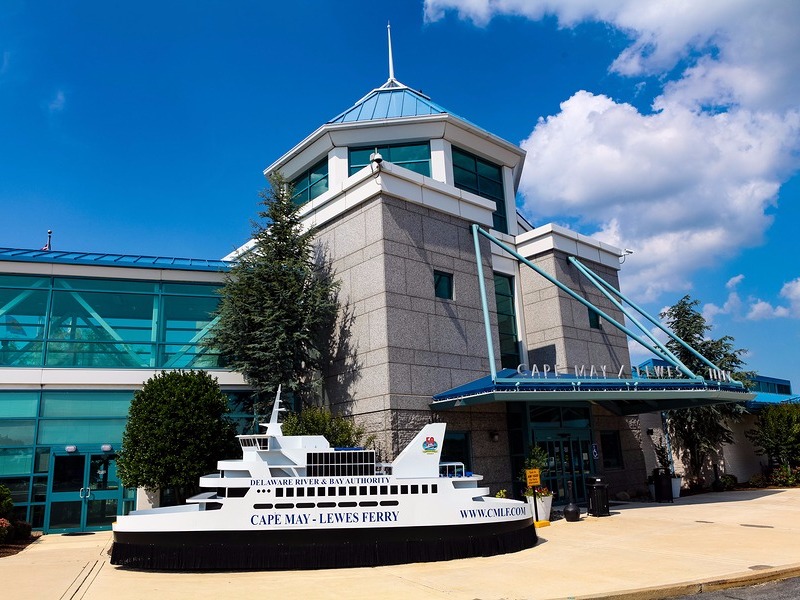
(506, 321)
(311, 183)
(415, 157)
(594, 319)
(443, 285)
(483, 178)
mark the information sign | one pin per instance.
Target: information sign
(533, 477)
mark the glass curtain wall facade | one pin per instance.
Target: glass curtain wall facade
(105, 323)
(58, 447)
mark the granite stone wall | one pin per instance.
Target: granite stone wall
(399, 344)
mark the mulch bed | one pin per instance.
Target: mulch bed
(17, 546)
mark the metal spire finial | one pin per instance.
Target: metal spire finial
(391, 62)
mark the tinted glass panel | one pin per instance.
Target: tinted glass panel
(86, 404)
(18, 404)
(15, 461)
(16, 433)
(88, 431)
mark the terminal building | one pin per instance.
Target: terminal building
(445, 281)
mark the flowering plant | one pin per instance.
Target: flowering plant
(540, 491)
(5, 527)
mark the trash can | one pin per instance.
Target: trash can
(663, 485)
(597, 493)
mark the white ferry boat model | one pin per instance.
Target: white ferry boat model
(293, 502)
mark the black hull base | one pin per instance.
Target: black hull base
(316, 549)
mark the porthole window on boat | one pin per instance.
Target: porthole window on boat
(290, 492)
(352, 491)
(434, 487)
(389, 503)
(415, 489)
(305, 505)
(320, 491)
(262, 506)
(331, 491)
(326, 504)
(279, 492)
(394, 489)
(373, 490)
(284, 505)
(362, 490)
(403, 489)
(367, 503)
(301, 492)
(346, 504)
(342, 491)
(384, 490)
(424, 488)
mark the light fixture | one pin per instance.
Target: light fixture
(71, 448)
(106, 448)
(494, 436)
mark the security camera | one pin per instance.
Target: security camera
(376, 158)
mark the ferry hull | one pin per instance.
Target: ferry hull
(317, 549)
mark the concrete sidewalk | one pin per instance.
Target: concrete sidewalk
(640, 551)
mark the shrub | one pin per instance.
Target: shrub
(784, 477)
(5, 529)
(6, 503)
(21, 531)
(758, 481)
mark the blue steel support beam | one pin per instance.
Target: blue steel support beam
(595, 280)
(658, 324)
(566, 290)
(484, 303)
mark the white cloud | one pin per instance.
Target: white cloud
(689, 184)
(57, 103)
(760, 309)
(734, 281)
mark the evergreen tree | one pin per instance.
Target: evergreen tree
(699, 432)
(176, 432)
(279, 303)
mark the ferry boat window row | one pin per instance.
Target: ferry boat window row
(340, 463)
(352, 490)
(362, 504)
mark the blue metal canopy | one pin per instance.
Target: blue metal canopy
(620, 396)
(117, 260)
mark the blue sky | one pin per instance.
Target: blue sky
(668, 128)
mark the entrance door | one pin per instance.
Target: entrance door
(84, 492)
(570, 460)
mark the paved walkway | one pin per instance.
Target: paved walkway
(640, 551)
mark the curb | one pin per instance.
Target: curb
(690, 588)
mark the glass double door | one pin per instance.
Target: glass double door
(84, 494)
(569, 457)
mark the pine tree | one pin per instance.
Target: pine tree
(279, 303)
(699, 432)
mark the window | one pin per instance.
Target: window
(594, 320)
(457, 448)
(311, 183)
(443, 285)
(483, 178)
(612, 450)
(506, 321)
(415, 157)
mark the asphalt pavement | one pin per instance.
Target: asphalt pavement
(642, 551)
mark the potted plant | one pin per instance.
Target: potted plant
(543, 498)
(538, 459)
